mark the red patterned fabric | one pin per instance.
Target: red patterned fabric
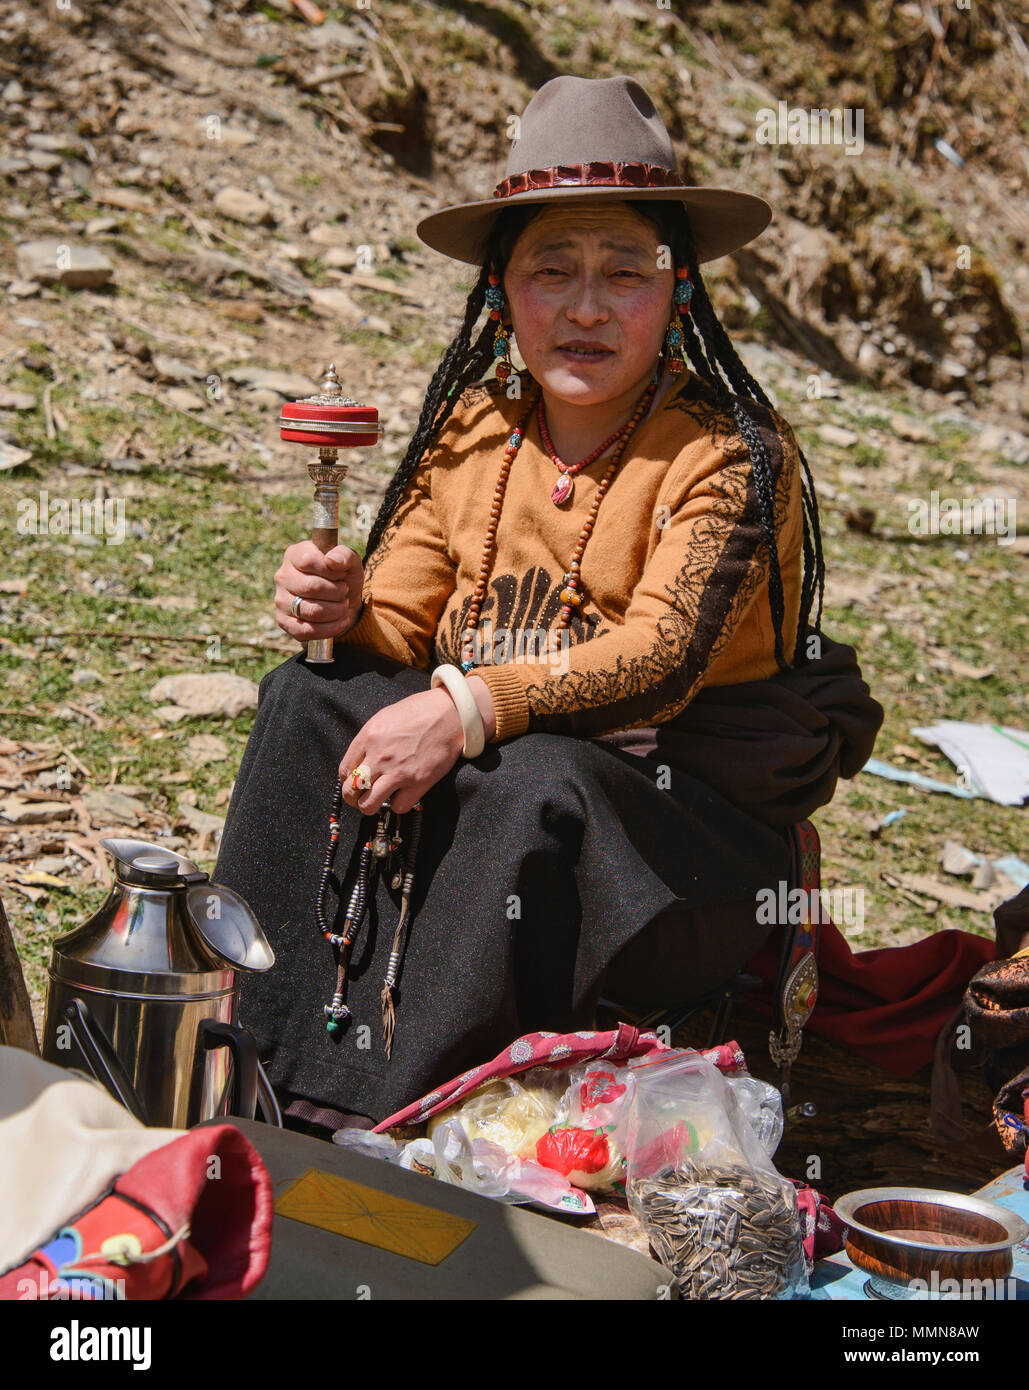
(193, 1217)
(563, 1049)
(603, 173)
(822, 1229)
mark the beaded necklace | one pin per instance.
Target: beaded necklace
(571, 594)
(562, 489)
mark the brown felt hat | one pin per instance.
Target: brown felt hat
(596, 138)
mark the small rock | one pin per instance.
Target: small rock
(329, 234)
(43, 160)
(337, 304)
(217, 692)
(85, 675)
(19, 812)
(68, 144)
(56, 777)
(14, 165)
(23, 289)
(869, 357)
(200, 820)
(105, 804)
(56, 261)
(985, 876)
(17, 400)
(50, 864)
(243, 312)
(956, 859)
(905, 428)
(997, 440)
(207, 748)
(97, 226)
(836, 434)
(171, 714)
(264, 399)
(174, 369)
(288, 385)
(240, 206)
(235, 136)
(14, 92)
(339, 258)
(182, 399)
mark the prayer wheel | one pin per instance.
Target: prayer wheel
(328, 422)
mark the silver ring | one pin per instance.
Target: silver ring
(294, 607)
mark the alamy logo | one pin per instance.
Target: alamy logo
(72, 516)
(87, 1343)
(964, 516)
(784, 906)
(786, 125)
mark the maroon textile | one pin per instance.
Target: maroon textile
(774, 748)
(886, 1006)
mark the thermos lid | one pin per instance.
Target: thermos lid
(157, 862)
(228, 926)
(164, 929)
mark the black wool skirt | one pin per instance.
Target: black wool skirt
(551, 870)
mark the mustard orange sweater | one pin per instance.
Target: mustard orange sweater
(674, 575)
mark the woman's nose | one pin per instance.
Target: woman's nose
(588, 302)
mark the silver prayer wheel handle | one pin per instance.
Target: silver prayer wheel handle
(326, 474)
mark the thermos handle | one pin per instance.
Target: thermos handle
(101, 1058)
(244, 1063)
(266, 1099)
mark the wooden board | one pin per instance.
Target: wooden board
(16, 1026)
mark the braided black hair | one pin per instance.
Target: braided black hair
(713, 359)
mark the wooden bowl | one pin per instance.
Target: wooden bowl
(898, 1234)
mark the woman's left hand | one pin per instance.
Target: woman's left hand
(408, 747)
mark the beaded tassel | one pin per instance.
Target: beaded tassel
(374, 852)
(389, 1016)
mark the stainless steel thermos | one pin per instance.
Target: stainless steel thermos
(144, 995)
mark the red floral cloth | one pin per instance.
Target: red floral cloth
(555, 1049)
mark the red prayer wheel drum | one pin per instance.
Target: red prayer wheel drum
(328, 422)
(311, 422)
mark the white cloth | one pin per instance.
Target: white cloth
(63, 1141)
(993, 757)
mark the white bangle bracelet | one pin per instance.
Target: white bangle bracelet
(456, 683)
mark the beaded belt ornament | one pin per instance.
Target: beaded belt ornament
(377, 853)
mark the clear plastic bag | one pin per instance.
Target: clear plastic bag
(476, 1164)
(721, 1218)
(512, 1112)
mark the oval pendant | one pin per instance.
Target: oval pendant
(561, 490)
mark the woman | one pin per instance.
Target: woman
(614, 559)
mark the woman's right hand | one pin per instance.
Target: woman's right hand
(330, 587)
